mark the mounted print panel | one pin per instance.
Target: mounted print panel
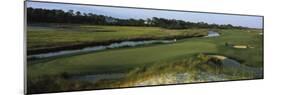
(74, 47)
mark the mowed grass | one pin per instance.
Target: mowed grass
(41, 37)
(117, 61)
(125, 59)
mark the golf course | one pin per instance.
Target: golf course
(72, 47)
(133, 63)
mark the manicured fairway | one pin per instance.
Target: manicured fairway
(119, 60)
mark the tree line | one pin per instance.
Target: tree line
(39, 15)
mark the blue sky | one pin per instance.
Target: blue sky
(125, 13)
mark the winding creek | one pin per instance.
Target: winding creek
(100, 48)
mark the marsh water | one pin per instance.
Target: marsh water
(229, 63)
(102, 47)
(213, 34)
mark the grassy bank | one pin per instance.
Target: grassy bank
(198, 68)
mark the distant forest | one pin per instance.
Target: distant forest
(39, 15)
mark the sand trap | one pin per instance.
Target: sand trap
(240, 46)
(219, 57)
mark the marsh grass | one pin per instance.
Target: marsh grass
(55, 83)
(195, 66)
(51, 38)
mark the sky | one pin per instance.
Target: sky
(126, 13)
